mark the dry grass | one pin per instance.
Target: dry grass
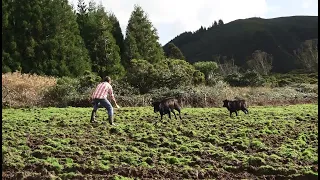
(257, 96)
(262, 96)
(24, 90)
(21, 90)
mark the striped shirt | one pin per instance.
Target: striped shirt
(102, 91)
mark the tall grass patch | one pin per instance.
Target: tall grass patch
(24, 90)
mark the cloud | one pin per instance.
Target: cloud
(172, 17)
(308, 3)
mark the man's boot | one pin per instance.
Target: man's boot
(110, 118)
(93, 116)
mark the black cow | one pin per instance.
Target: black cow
(166, 106)
(235, 106)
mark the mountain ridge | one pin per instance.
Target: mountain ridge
(240, 38)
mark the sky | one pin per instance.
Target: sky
(173, 17)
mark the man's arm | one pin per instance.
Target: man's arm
(112, 97)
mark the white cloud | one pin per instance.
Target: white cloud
(307, 3)
(184, 15)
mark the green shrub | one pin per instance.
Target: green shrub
(63, 93)
(88, 81)
(233, 79)
(305, 88)
(249, 78)
(252, 78)
(293, 78)
(284, 82)
(123, 88)
(198, 77)
(214, 79)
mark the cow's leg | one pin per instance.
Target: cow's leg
(230, 113)
(245, 110)
(173, 113)
(236, 113)
(179, 113)
(169, 114)
(161, 114)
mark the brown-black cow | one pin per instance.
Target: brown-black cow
(166, 106)
(235, 106)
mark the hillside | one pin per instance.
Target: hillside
(239, 38)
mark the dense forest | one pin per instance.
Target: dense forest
(239, 38)
(50, 37)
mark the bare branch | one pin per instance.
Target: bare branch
(261, 62)
(307, 55)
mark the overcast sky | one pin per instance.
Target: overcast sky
(173, 17)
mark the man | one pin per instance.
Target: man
(100, 96)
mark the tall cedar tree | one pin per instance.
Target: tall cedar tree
(96, 31)
(44, 38)
(10, 54)
(141, 39)
(220, 22)
(117, 33)
(174, 52)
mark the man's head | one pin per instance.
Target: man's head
(107, 79)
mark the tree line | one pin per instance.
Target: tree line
(50, 37)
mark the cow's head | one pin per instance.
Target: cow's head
(156, 106)
(225, 103)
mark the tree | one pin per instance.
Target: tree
(249, 78)
(261, 62)
(82, 16)
(220, 22)
(117, 33)
(43, 38)
(170, 73)
(139, 75)
(307, 55)
(96, 32)
(208, 68)
(215, 23)
(174, 52)
(198, 77)
(10, 55)
(201, 29)
(227, 67)
(71, 53)
(131, 50)
(252, 78)
(181, 73)
(141, 32)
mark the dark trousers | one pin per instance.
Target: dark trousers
(105, 103)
